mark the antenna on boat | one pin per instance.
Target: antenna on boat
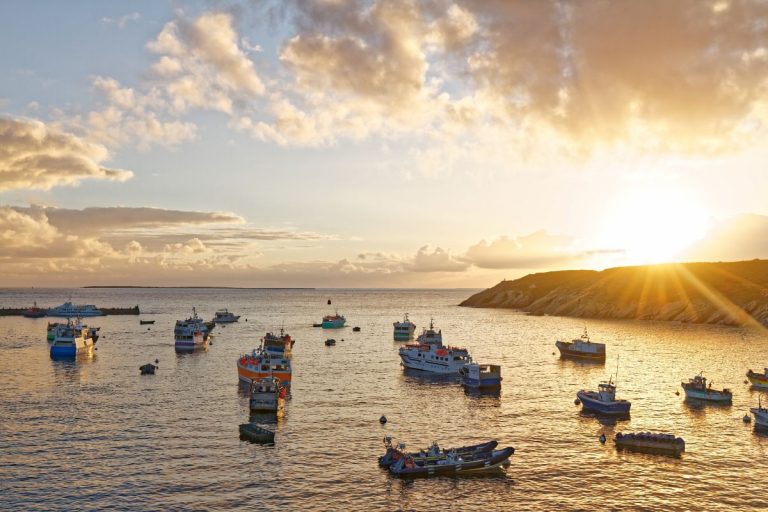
(617, 370)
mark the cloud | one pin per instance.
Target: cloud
(122, 21)
(439, 260)
(203, 64)
(537, 250)
(33, 155)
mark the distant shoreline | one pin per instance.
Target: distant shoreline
(203, 287)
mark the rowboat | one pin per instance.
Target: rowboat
(146, 322)
(256, 434)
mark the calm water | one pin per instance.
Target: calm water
(94, 434)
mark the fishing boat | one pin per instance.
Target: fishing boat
(481, 376)
(761, 415)
(434, 357)
(223, 316)
(698, 388)
(335, 321)
(647, 442)
(433, 453)
(452, 464)
(582, 348)
(191, 334)
(603, 400)
(260, 364)
(758, 380)
(430, 335)
(278, 344)
(256, 434)
(267, 395)
(69, 310)
(71, 339)
(146, 322)
(34, 312)
(404, 330)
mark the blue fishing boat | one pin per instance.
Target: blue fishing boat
(603, 400)
(333, 321)
(481, 376)
(71, 339)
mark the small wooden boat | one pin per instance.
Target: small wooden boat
(146, 322)
(453, 464)
(256, 434)
(147, 369)
(433, 453)
(665, 444)
(356, 329)
(758, 380)
(330, 342)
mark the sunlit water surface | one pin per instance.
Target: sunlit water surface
(94, 434)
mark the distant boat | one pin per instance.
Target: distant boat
(330, 342)
(34, 312)
(582, 348)
(429, 336)
(69, 310)
(697, 388)
(404, 330)
(278, 345)
(223, 316)
(333, 321)
(146, 322)
(758, 380)
(191, 334)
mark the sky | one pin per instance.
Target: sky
(400, 143)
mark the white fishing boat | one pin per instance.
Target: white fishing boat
(430, 335)
(404, 330)
(223, 316)
(698, 388)
(69, 310)
(191, 334)
(434, 357)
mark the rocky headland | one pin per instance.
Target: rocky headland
(732, 293)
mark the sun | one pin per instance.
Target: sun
(654, 225)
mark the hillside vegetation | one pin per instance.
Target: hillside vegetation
(733, 293)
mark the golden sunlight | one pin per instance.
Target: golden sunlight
(654, 225)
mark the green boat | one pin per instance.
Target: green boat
(256, 434)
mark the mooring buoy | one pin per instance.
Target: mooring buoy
(383, 419)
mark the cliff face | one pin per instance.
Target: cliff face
(733, 293)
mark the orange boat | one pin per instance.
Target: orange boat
(261, 364)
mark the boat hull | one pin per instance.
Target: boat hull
(482, 383)
(442, 368)
(190, 346)
(256, 434)
(758, 380)
(761, 418)
(71, 350)
(709, 395)
(590, 402)
(335, 324)
(673, 447)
